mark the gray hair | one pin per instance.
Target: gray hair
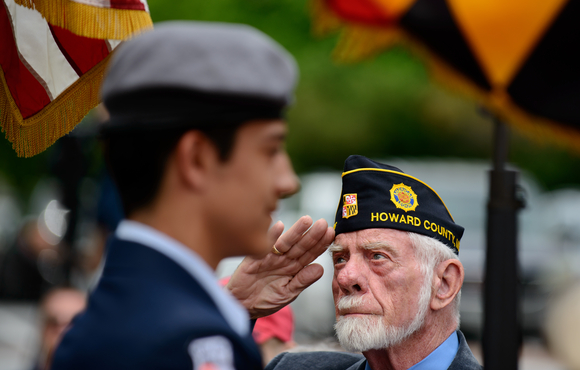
(431, 252)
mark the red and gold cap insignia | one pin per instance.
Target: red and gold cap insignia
(349, 205)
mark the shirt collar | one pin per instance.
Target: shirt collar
(440, 359)
(133, 231)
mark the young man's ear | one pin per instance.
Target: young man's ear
(195, 158)
(447, 283)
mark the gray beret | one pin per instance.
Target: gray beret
(197, 74)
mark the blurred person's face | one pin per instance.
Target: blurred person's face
(381, 296)
(58, 311)
(246, 187)
(33, 240)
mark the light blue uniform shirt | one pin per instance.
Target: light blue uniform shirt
(440, 359)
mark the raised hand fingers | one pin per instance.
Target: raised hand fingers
(275, 232)
(306, 277)
(309, 240)
(293, 235)
(319, 248)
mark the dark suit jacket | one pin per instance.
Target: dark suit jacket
(144, 313)
(464, 360)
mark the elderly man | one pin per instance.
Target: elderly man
(397, 278)
(195, 144)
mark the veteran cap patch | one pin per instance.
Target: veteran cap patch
(376, 195)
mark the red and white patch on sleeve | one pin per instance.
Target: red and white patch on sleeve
(212, 353)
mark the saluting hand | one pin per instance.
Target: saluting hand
(265, 285)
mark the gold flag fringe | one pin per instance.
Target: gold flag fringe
(35, 134)
(326, 22)
(26, 3)
(358, 42)
(91, 21)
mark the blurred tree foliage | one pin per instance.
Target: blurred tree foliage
(22, 173)
(382, 107)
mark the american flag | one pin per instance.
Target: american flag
(52, 58)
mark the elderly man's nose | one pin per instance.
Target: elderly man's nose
(350, 279)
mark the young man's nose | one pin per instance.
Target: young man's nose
(287, 180)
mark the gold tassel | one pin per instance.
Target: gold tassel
(27, 3)
(359, 43)
(91, 21)
(35, 134)
(324, 21)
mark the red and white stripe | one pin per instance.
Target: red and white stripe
(40, 60)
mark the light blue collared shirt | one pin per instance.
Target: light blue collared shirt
(440, 359)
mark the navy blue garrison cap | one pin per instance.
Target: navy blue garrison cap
(376, 195)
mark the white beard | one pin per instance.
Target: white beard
(363, 333)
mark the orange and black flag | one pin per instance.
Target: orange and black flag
(519, 58)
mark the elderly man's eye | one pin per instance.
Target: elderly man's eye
(378, 256)
(338, 260)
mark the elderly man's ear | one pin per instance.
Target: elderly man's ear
(447, 284)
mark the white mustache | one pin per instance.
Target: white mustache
(349, 302)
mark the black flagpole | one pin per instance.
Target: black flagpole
(502, 329)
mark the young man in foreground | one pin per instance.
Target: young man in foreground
(195, 143)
